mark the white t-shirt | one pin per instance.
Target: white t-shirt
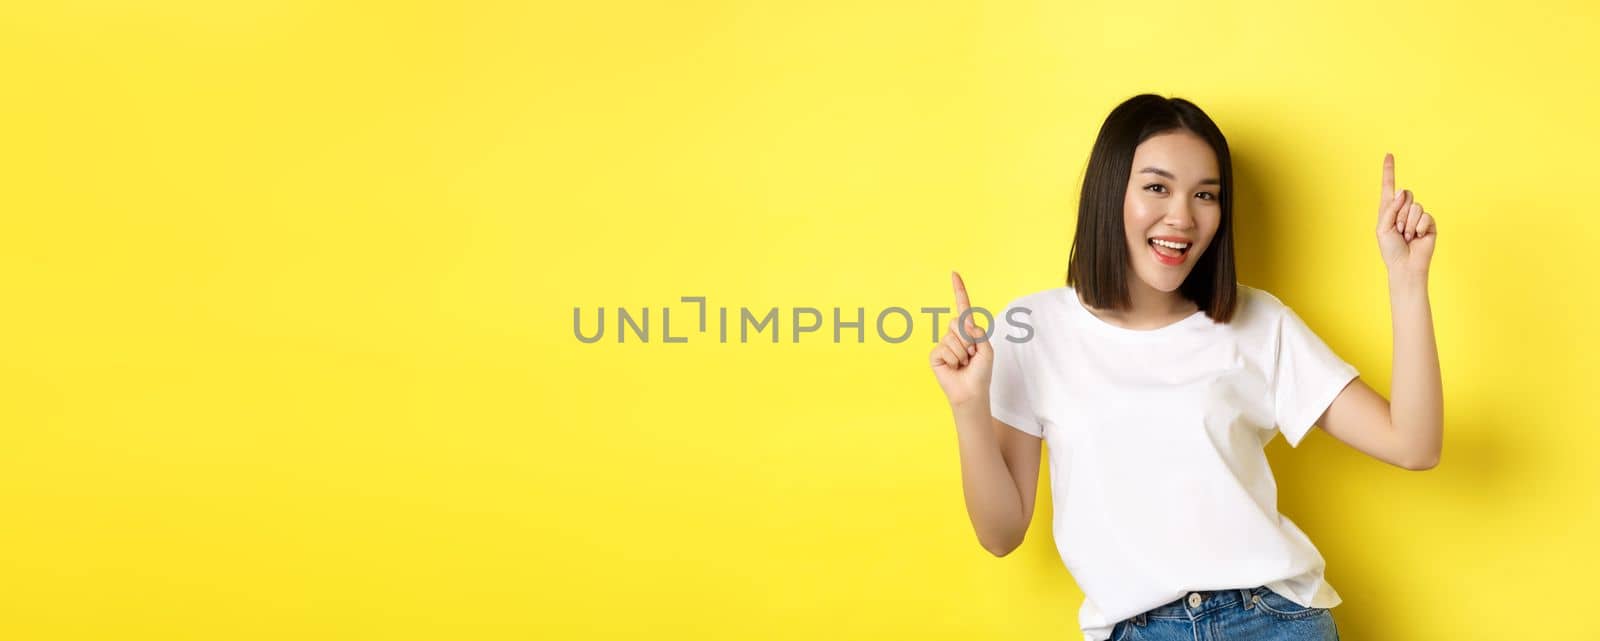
(1158, 471)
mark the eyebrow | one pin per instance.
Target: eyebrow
(1168, 175)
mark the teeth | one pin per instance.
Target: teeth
(1165, 243)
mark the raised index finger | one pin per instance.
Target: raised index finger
(1388, 179)
(961, 292)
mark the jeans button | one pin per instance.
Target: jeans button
(1194, 599)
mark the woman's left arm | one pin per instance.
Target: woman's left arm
(1408, 430)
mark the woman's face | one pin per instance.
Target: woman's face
(1174, 193)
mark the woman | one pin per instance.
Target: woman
(1158, 380)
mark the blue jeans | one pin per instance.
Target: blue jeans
(1248, 614)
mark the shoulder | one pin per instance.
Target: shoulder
(1259, 303)
(1259, 311)
(1259, 297)
(1048, 301)
(1025, 316)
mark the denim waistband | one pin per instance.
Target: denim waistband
(1188, 607)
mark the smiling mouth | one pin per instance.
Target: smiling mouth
(1173, 253)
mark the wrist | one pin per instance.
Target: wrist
(1407, 281)
(978, 404)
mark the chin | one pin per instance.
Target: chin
(1162, 285)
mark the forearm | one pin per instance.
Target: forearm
(1416, 404)
(993, 502)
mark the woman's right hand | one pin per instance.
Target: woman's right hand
(962, 365)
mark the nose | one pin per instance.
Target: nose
(1180, 216)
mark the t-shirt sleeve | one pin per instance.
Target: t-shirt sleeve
(1308, 376)
(1009, 399)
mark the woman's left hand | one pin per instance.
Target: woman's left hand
(1406, 232)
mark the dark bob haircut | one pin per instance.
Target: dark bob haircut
(1098, 266)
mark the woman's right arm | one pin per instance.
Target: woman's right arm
(999, 477)
(999, 464)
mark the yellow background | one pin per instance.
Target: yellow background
(287, 343)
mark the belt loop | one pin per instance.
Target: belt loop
(1244, 597)
(1138, 619)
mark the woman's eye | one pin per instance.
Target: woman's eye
(1161, 189)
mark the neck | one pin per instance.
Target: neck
(1149, 307)
(1153, 304)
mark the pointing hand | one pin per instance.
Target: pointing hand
(961, 362)
(1406, 232)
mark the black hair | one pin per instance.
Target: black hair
(1098, 264)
